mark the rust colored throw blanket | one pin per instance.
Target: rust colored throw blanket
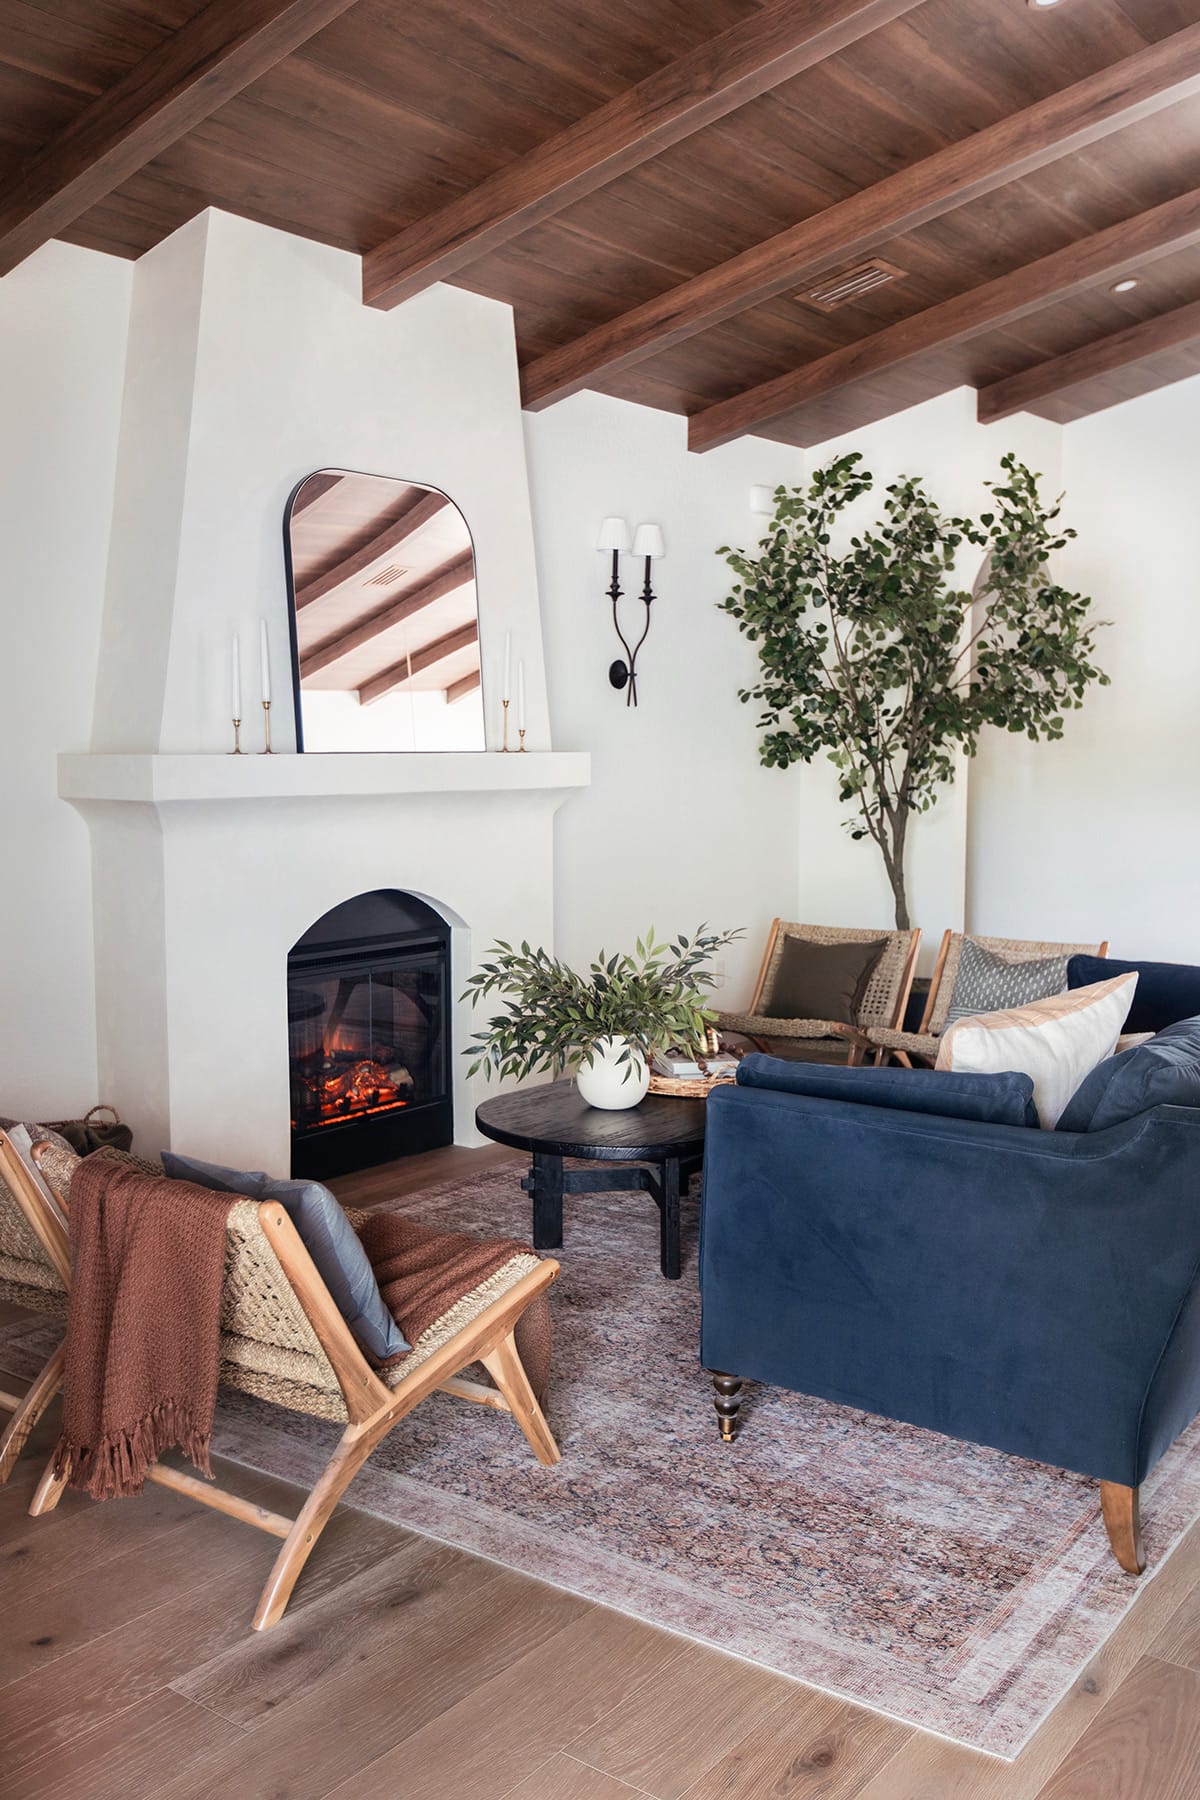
(143, 1325)
(422, 1273)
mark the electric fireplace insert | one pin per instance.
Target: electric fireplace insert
(368, 1035)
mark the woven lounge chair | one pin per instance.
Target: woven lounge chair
(31, 1276)
(922, 1045)
(883, 1003)
(283, 1340)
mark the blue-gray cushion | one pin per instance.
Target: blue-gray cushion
(986, 982)
(1164, 1072)
(987, 1099)
(1165, 994)
(327, 1235)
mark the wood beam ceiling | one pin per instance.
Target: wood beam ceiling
(1065, 122)
(458, 690)
(1147, 236)
(446, 580)
(1033, 387)
(172, 89)
(382, 544)
(427, 657)
(695, 90)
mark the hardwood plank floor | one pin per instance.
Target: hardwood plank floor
(407, 1670)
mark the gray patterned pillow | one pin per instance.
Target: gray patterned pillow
(988, 983)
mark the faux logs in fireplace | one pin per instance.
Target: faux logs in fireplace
(368, 1034)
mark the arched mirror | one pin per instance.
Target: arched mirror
(385, 623)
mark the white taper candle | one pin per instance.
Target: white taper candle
(520, 696)
(264, 655)
(506, 693)
(236, 693)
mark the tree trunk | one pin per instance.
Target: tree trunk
(893, 860)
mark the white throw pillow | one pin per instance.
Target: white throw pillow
(1058, 1041)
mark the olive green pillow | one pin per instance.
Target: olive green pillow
(822, 981)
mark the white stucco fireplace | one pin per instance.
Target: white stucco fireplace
(207, 869)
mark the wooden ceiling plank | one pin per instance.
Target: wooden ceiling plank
(446, 580)
(1104, 356)
(314, 489)
(1157, 232)
(382, 544)
(172, 89)
(416, 664)
(458, 690)
(696, 89)
(1065, 122)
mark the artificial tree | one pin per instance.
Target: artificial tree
(874, 656)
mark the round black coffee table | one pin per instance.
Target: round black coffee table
(551, 1122)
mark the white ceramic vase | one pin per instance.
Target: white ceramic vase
(610, 1083)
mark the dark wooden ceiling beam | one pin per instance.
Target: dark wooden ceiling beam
(446, 580)
(1120, 349)
(314, 489)
(1051, 279)
(382, 544)
(698, 88)
(427, 657)
(458, 690)
(1132, 89)
(178, 85)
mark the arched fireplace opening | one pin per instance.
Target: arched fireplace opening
(368, 1034)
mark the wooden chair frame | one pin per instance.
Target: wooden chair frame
(373, 1407)
(882, 1053)
(38, 1207)
(858, 1044)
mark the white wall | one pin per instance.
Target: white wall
(253, 362)
(1099, 835)
(681, 825)
(63, 318)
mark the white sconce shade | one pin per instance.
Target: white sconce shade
(648, 541)
(762, 501)
(614, 535)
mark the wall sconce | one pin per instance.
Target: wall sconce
(648, 544)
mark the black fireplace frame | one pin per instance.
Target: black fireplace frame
(364, 1142)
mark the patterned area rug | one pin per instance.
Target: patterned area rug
(950, 1586)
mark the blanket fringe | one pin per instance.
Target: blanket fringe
(116, 1467)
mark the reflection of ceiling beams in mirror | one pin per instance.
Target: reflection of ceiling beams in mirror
(446, 580)
(389, 539)
(420, 660)
(314, 488)
(458, 690)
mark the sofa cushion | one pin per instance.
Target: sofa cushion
(1058, 1041)
(822, 981)
(1164, 1072)
(1166, 992)
(986, 1099)
(327, 1235)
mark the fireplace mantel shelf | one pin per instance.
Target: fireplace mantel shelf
(154, 780)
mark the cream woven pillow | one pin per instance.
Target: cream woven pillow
(1057, 1041)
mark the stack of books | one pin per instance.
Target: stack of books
(687, 1065)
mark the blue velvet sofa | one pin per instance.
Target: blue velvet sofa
(908, 1242)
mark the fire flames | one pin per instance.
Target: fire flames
(347, 1090)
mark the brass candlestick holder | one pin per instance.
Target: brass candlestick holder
(237, 738)
(504, 739)
(267, 750)
(521, 735)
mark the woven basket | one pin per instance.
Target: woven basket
(689, 1087)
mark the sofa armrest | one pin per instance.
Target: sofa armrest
(1013, 1287)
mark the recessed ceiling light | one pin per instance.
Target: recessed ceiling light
(1125, 285)
(1042, 5)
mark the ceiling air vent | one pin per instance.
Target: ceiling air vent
(848, 285)
(385, 577)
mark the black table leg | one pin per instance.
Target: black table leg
(545, 1183)
(668, 1222)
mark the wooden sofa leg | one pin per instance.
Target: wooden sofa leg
(506, 1369)
(17, 1433)
(1120, 1508)
(728, 1404)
